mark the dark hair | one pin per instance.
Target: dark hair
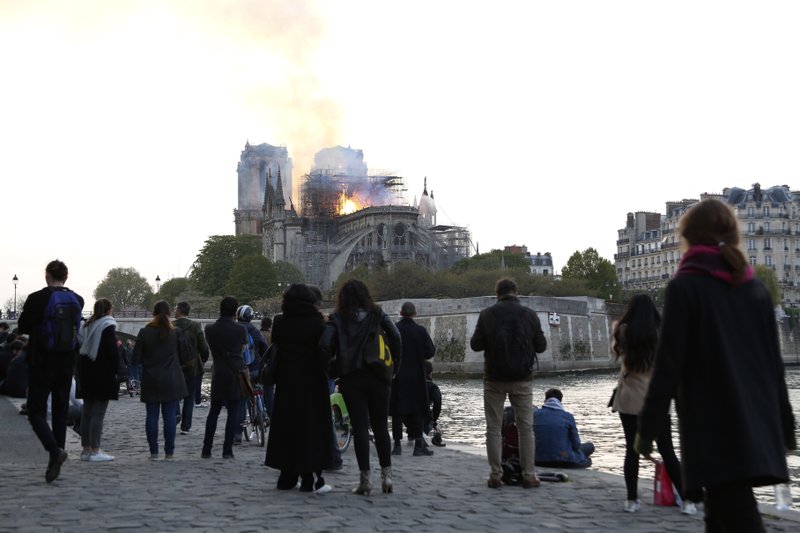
(636, 342)
(101, 308)
(713, 223)
(553, 393)
(16, 345)
(353, 295)
(161, 312)
(298, 298)
(183, 307)
(317, 294)
(228, 306)
(266, 323)
(57, 270)
(3, 325)
(505, 286)
(408, 309)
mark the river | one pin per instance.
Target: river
(585, 396)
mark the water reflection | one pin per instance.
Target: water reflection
(586, 396)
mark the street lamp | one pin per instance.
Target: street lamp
(158, 283)
(15, 279)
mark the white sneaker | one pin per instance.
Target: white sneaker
(688, 508)
(324, 489)
(100, 456)
(631, 506)
(85, 456)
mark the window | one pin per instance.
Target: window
(750, 211)
(751, 244)
(753, 260)
(751, 227)
(767, 244)
(768, 260)
(766, 210)
(766, 227)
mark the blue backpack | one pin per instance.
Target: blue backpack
(249, 351)
(62, 319)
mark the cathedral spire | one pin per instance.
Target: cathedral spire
(269, 196)
(279, 201)
(425, 187)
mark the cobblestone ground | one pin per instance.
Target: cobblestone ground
(444, 492)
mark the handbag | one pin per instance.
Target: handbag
(613, 395)
(663, 493)
(245, 385)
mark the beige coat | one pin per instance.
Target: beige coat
(631, 389)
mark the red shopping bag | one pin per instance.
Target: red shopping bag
(662, 487)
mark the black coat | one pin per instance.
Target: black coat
(719, 358)
(345, 340)
(99, 379)
(300, 436)
(226, 340)
(162, 377)
(409, 392)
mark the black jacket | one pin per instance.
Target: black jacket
(99, 379)
(345, 340)
(32, 318)
(226, 339)
(162, 377)
(719, 358)
(491, 326)
(409, 392)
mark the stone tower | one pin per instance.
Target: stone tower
(258, 165)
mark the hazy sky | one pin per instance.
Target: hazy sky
(536, 123)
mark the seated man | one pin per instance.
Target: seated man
(557, 442)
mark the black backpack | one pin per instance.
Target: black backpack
(187, 354)
(513, 355)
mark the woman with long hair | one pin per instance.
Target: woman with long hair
(634, 340)
(354, 323)
(300, 437)
(162, 384)
(720, 358)
(98, 377)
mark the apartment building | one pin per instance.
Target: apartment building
(648, 247)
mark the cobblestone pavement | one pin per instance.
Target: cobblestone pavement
(444, 492)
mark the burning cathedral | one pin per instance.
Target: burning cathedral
(348, 215)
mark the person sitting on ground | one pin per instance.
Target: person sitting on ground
(4, 331)
(558, 444)
(435, 398)
(15, 383)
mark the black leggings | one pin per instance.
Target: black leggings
(665, 448)
(367, 400)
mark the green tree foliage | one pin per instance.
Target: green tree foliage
(286, 274)
(252, 278)
(214, 262)
(172, 289)
(598, 273)
(125, 288)
(496, 259)
(767, 276)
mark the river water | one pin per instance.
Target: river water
(586, 395)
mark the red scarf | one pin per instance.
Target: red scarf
(708, 260)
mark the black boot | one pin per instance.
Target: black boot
(421, 448)
(398, 449)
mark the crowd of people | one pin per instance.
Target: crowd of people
(714, 349)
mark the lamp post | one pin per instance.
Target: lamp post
(15, 279)
(158, 283)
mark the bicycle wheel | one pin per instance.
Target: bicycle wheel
(341, 427)
(248, 420)
(261, 425)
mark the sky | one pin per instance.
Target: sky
(536, 123)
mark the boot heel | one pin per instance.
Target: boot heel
(386, 480)
(364, 485)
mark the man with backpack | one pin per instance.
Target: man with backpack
(193, 372)
(51, 317)
(510, 335)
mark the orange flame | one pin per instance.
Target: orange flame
(349, 205)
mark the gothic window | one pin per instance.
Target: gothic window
(380, 232)
(399, 235)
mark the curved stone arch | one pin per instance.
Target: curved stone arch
(337, 264)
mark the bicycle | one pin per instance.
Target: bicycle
(341, 420)
(256, 419)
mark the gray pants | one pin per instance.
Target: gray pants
(94, 411)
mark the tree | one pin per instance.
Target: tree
(173, 288)
(125, 288)
(496, 259)
(252, 278)
(599, 274)
(9, 307)
(286, 274)
(215, 261)
(767, 276)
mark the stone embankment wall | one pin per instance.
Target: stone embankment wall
(577, 329)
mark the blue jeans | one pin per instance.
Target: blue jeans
(188, 404)
(169, 412)
(233, 407)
